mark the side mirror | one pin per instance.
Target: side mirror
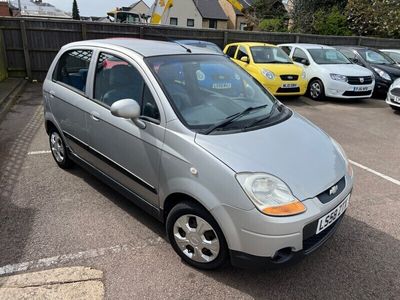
(305, 62)
(245, 59)
(355, 60)
(128, 109)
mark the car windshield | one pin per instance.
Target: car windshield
(374, 57)
(269, 55)
(328, 57)
(210, 46)
(205, 90)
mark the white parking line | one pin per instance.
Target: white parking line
(388, 178)
(92, 253)
(39, 152)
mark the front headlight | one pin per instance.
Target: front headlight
(383, 74)
(268, 74)
(343, 154)
(270, 194)
(338, 77)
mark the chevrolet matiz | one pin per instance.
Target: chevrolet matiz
(239, 178)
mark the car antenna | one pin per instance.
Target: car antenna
(176, 42)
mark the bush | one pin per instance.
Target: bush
(332, 22)
(274, 25)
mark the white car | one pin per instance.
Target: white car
(393, 96)
(393, 54)
(330, 73)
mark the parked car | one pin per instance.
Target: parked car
(384, 68)
(393, 96)
(232, 177)
(270, 66)
(330, 73)
(393, 54)
(201, 44)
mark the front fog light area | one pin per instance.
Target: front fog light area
(270, 194)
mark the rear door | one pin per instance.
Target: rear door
(120, 149)
(67, 94)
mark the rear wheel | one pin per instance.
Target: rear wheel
(316, 90)
(396, 108)
(196, 236)
(59, 150)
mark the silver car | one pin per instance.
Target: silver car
(233, 173)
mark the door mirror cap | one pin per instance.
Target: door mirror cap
(305, 62)
(245, 59)
(355, 60)
(128, 109)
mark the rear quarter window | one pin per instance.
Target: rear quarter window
(231, 51)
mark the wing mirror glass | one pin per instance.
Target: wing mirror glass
(245, 59)
(128, 109)
(305, 62)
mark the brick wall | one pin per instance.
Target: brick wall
(4, 10)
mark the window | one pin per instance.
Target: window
(173, 21)
(190, 23)
(348, 53)
(212, 23)
(375, 57)
(241, 53)
(286, 49)
(242, 26)
(72, 68)
(269, 55)
(299, 55)
(394, 55)
(116, 79)
(231, 51)
(328, 56)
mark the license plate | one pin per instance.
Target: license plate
(222, 86)
(396, 100)
(289, 85)
(333, 215)
(361, 88)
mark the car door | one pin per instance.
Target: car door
(242, 52)
(122, 150)
(300, 58)
(67, 94)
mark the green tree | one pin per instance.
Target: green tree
(332, 22)
(75, 11)
(269, 9)
(274, 25)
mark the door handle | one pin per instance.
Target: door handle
(52, 93)
(95, 116)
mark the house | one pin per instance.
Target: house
(236, 19)
(140, 7)
(36, 8)
(196, 14)
(4, 8)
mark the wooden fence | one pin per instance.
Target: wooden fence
(31, 44)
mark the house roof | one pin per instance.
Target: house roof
(210, 9)
(136, 3)
(39, 9)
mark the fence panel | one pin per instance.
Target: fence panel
(31, 44)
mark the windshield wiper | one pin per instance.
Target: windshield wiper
(230, 119)
(265, 117)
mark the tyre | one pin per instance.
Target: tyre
(396, 108)
(196, 236)
(59, 150)
(316, 90)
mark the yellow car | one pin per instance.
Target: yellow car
(271, 66)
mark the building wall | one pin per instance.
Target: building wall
(239, 20)
(229, 12)
(4, 10)
(140, 8)
(221, 24)
(183, 10)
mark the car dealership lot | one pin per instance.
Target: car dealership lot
(51, 218)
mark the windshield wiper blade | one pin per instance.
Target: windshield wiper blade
(230, 119)
(265, 117)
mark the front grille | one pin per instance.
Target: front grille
(395, 92)
(359, 80)
(289, 77)
(352, 93)
(311, 241)
(325, 197)
(288, 90)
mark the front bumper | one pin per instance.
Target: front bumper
(343, 90)
(390, 99)
(254, 238)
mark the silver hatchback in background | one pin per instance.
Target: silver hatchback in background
(234, 174)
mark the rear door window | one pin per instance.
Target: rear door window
(72, 68)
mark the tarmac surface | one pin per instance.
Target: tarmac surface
(53, 218)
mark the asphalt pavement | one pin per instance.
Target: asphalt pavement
(54, 218)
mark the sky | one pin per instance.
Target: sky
(97, 8)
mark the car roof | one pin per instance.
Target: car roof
(356, 47)
(308, 46)
(252, 44)
(146, 48)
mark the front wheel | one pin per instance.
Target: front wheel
(316, 90)
(196, 236)
(59, 150)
